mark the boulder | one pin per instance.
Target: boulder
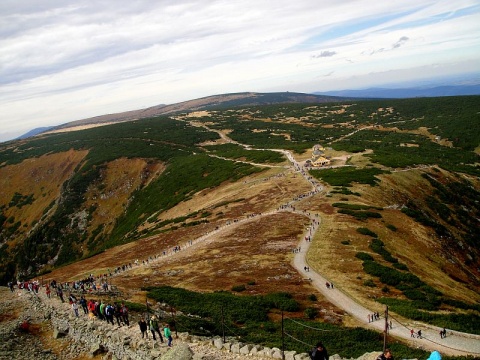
(245, 350)
(179, 352)
(218, 343)
(290, 355)
(96, 349)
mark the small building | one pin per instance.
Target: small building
(321, 161)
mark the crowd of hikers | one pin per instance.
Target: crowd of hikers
(95, 309)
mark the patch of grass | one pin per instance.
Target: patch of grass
(345, 176)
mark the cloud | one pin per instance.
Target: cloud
(62, 61)
(400, 42)
(325, 53)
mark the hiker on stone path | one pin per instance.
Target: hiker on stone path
(319, 352)
(154, 328)
(143, 327)
(419, 334)
(60, 294)
(412, 333)
(47, 291)
(91, 309)
(118, 314)
(72, 298)
(109, 311)
(124, 312)
(75, 308)
(83, 303)
(168, 335)
(99, 310)
(387, 355)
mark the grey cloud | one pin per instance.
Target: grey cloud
(400, 42)
(325, 53)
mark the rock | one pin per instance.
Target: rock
(96, 349)
(277, 353)
(236, 348)
(303, 356)
(179, 352)
(290, 355)
(370, 356)
(218, 343)
(59, 333)
(245, 350)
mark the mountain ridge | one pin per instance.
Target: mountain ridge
(203, 103)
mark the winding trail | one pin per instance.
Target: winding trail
(455, 344)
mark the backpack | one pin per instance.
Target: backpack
(312, 353)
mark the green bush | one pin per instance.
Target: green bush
(239, 288)
(311, 313)
(366, 231)
(364, 256)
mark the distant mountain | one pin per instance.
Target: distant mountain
(452, 90)
(209, 102)
(34, 132)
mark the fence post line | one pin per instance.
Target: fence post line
(386, 329)
(283, 340)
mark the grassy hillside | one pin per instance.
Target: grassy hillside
(401, 199)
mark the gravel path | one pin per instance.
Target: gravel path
(455, 344)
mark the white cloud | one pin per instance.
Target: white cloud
(61, 62)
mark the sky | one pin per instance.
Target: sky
(67, 60)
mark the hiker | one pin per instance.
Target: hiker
(75, 308)
(47, 291)
(387, 355)
(109, 311)
(419, 334)
(444, 333)
(412, 333)
(143, 327)
(83, 302)
(124, 312)
(154, 328)
(60, 294)
(118, 314)
(319, 352)
(168, 335)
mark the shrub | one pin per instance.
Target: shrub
(364, 256)
(312, 297)
(366, 231)
(238, 288)
(391, 227)
(311, 313)
(369, 283)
